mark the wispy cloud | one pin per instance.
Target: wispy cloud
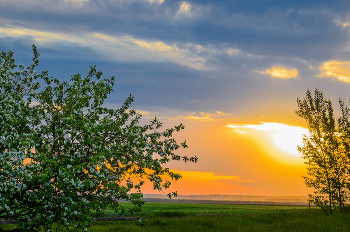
(194, 182)
(53, 6)
(337, 69)
(281, 72)
(268, 127)
(197, 181)
(341, 23)
(221, 113)
(155, 1)
(202, 116)
(209, 176)
(171, 115)
(72, 5)
(35, 34)
(119, 47)
(233, 52)
(158, 46)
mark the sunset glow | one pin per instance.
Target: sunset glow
(286, 138)
(229, 72)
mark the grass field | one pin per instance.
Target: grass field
(151, 210)
(214, 217)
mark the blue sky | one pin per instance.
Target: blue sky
(208, 62)
(205, 55)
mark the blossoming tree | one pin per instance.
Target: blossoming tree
(65, 158)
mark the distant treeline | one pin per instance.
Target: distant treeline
(272, 201)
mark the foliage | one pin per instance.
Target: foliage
(64, 158)
(325, 156)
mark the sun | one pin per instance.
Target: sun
(284, 137)
(288, 139)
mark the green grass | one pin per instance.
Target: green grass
(210, 217)
(294, 220)
(156, 209)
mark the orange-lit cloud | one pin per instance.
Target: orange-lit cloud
(105, 37)
(206, 116)
(208, 176)
(37, 35)
(153, 1)
(203, 117)
(221, 113)
(158, 46)
(337, 69)
(174, 52)
(185, 6)
(184, 11)
(281, 72)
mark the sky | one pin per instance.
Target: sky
(230, 71)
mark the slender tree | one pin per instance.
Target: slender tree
(344, 132)
(324, 153)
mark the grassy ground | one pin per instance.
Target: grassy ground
(204, 217)
(154, 209)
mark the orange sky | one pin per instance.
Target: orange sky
(237, 157)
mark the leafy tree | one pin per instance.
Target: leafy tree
(324, 152)
(65, 158)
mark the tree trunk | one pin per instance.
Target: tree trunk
(330, 201)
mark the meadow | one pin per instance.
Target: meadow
(216, 217)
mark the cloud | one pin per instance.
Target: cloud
(341, 23)
(221, 113)
(182, 56)
(337, 69)
(281, 72)
(233, 52)
(268, 127)
(35, 34)
(203, 117)
(194, 182)
(114, 47)
(197, 182)
(52, 6)
(185, 10)
(153, 1)
(157, 46)
(185, 7)
(206, 116)
(208, 176)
